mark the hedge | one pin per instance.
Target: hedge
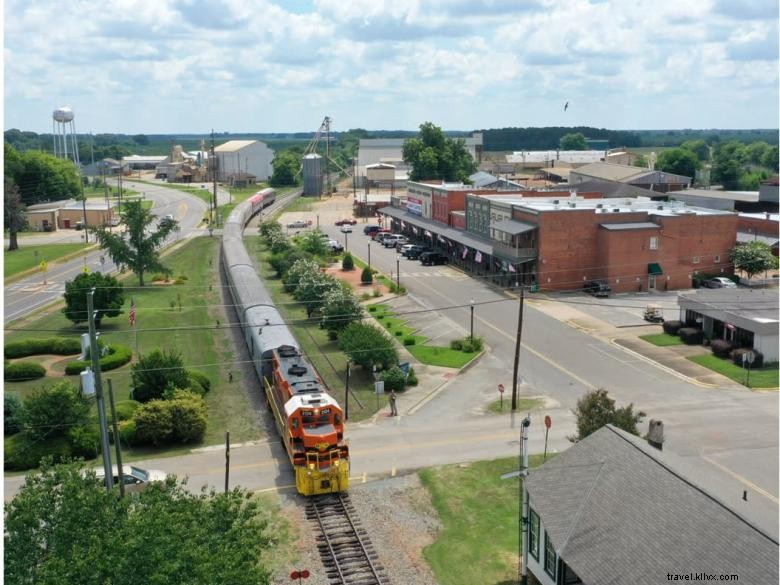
(181, 419)
(118, 356)
(691, 336)
(758, 357)
(21, 371)
(200, 378)
(672, 327)
(85, 440)
(721, 348)
(52, 345)
(125, 409)
(23, 451)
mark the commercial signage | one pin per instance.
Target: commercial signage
(414, 206)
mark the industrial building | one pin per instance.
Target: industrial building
(653, 180)
(243, 156)
(68, 214)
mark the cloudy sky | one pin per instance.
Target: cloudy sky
(276, 65)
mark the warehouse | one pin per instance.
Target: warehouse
(236, 158)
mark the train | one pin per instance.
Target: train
(309, 420)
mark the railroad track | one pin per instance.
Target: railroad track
(346, 551)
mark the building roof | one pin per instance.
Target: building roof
(612, 171)
(619, 511)
(380, 165)
(234, 145)
(631, 225)
(137, 158)
(746, 237)
(513, 227)
(542, 156)
(613, 189)
(750, 304)
(746, 196)
(453, 234)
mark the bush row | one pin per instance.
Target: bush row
(691, 335)
(118, 356)
(468, 344)
(181, 419)
(21, 371)
(672, 327)
(52, 345)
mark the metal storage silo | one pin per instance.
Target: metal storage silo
(312, 175)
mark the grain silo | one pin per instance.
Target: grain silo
(312, 175)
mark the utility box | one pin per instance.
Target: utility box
(88, 382)
(84, 346)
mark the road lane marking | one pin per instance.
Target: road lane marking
(742, 480)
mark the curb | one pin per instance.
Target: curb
(30, 271)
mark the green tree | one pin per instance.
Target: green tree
(640, 161)
(698, 147)
(679, 161)
(58, 527)
(347, 262)
(367, 346)
(138, 248)
(15, 220)
(366, 277)
(108, 300)
(44, 177)
(286, 165)
(314, 243)
(13, 414)
(155, 372)
(728, 161)
(770, 159)
(573, 142)
(52, 410)
(312, 288)
(596, 409)
(141, 139)
(340, 308)
(434, 156)
(753, 257)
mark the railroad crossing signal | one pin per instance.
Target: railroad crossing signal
(299, 575)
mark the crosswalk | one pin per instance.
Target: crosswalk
(450, 274)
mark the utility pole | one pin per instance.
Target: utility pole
(119, 474)
(227, 460)
(84, 208)
(525, 505)
(214, 179)
(101, 406)
(517, 349)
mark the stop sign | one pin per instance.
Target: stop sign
(547, 421)
(501, 388)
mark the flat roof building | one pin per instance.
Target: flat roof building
(235, 157)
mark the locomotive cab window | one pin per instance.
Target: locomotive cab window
(294, 422)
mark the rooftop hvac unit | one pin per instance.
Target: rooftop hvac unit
(555, 202)
(572, 204)
(660, 207)
(616, 210)
(599, 205)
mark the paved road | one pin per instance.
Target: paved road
(24, 296)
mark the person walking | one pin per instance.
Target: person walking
(393, 409)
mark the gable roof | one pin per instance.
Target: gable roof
(617, 512)
(234, 145)
(611, 171)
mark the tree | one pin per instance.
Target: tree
(770, 159)
(434, 156)
(753, 257)
(347, 262)
(138, 248)
(108, 300)
(340, 308)
(13, 414)
(697, 147)
(367, 346)
(44, 177)
(573, 142)
(58, 527)
(755, 152)
(51, 411)
(596, 409)
(679, 161)
(728, 161)
(312, 288)
(15, 220)
(314, 243)
(640, 161)
(286, 165)
(155, 372)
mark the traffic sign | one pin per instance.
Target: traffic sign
(298, 575)
(547, 421)
(748, 357)
(43, 265)
(501, 388)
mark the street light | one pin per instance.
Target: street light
(369, 255)
(471, 302)
(398, 273)
(346, 241)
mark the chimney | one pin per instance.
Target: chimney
(655, 434)
(767, 214)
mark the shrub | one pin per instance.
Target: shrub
(108, 297)
(691, 335)
(366, 345)
(468, 345)
(758, 357)
(672, 327)
(366, 277)
(409, 341)
(25, 451)
(365, 296)
(118, 356)
(52, 345)
(377, 293)
(188, 412)
(13, 415)
(372, 309)
(394, 379)
(411, 378)
(20, 371)
(201, 378)
(85, 440)
(347, 262)
(340, 308)
(53, 410)
(456, 344)
(153, 423)
(399, 333)
(127, 432)
(721, 348)
(125, 409)
(152, 374)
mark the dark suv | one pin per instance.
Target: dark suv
(432, 258)
(370, 229)
(415, 251)
(597, 288)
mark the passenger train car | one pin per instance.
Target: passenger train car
(309, 420)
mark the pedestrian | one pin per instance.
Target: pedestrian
(393, 409)
(230, 377)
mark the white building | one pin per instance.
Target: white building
(244, 156)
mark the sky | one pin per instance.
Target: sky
(189, 66)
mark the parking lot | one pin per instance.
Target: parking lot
(624, 309)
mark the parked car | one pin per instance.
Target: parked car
(403, 248)
(134, 478)
(79, 225)
(346, 221)
(334, 246)
(597, 288)
(432, 258)
(380, 235)
(391, 240)
(720, 282)
(415, 250)
(298, 223)
(370, 230)
(346, 229)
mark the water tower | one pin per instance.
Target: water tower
(64, 131)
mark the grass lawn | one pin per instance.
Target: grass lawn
(100, 192)
(523, 404)
(479, 511)
(662, 339)
(428, 354)
(301, 204)
(208, 350)
(27, 257)
(765, 377)
(327, 358)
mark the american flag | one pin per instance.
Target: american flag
(465, 253)
(131, 317)
(478, 256)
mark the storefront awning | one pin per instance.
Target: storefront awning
(513, 227)
(654, 269)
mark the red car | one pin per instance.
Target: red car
(346, 221)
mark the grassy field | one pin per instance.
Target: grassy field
(479, 512)
(523, 404)
(764, 377)
(27, 257)
(100, 192)
(328, 359)
(428, 354)
(157, 315)
(662, 339)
